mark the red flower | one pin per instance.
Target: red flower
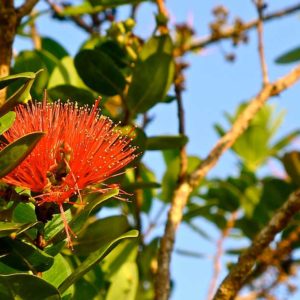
(80, 148)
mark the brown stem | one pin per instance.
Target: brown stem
(36, 39)
(181, 130)
(184, 189)
(10, 18)
(239, 273)
(219, 253)
(260, 36)
(164, 12)
(77, 20)
(231, 31)
(8, 27)
(26, 8)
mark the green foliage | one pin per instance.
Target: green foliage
(152, 75)
(132, 74)
(289, 57)
(25, 286)
(255, 146)
(166, 142)
(13, 154)
(99, 72)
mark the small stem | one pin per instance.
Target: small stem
(219, 253)
(36, 39)
(260, 35)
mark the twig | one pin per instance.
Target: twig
(25, 9)
(183, 190)
(181, 130)
(77, 20)
(231, 31)
(155, 221)
(219, 253)
(239, 273)
(36, 39)
(260, 36)
(163, 12)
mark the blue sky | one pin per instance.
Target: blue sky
(213, 87)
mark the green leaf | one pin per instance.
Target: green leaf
(22, 95)
(171, 176)
(166, 142)
(54, 47)
(68, 92)
(69, 76)
(32, 61)
(99, 72)
(6, 121)
(26, 287)
(14, 153)
(140, 185)
(59, 271)
(94, 259)
(24, 256)
(7, 80)
(115, 52)
(100, 232)
(84, 8)
(126, 251)
(289, 57)
(291, 162)
(52, 63)
(7, 228)
(284, 142)
(24, 213)
(112, 3)
(93, 202)
(152, 75)
(125, 283)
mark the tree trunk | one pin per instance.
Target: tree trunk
(8, 26)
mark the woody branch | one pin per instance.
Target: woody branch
(184, 189)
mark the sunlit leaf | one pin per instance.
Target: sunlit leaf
(94, 259)
(14, 153)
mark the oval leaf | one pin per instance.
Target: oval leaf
(166, 142)
(7, 80)
(100, 232)
(93, 201)
(152, 75)
(26, 287)
(6, 121)
(99, 72)
(24, 257)
(289, 57)
(13, 154)
(68, 92)
(94, 259)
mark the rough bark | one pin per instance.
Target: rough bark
(8, 26)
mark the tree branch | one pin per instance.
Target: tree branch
(239, 273)
(231, 31)
(184, 189)
(25, 9)
(242, 122)
(77, 20)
